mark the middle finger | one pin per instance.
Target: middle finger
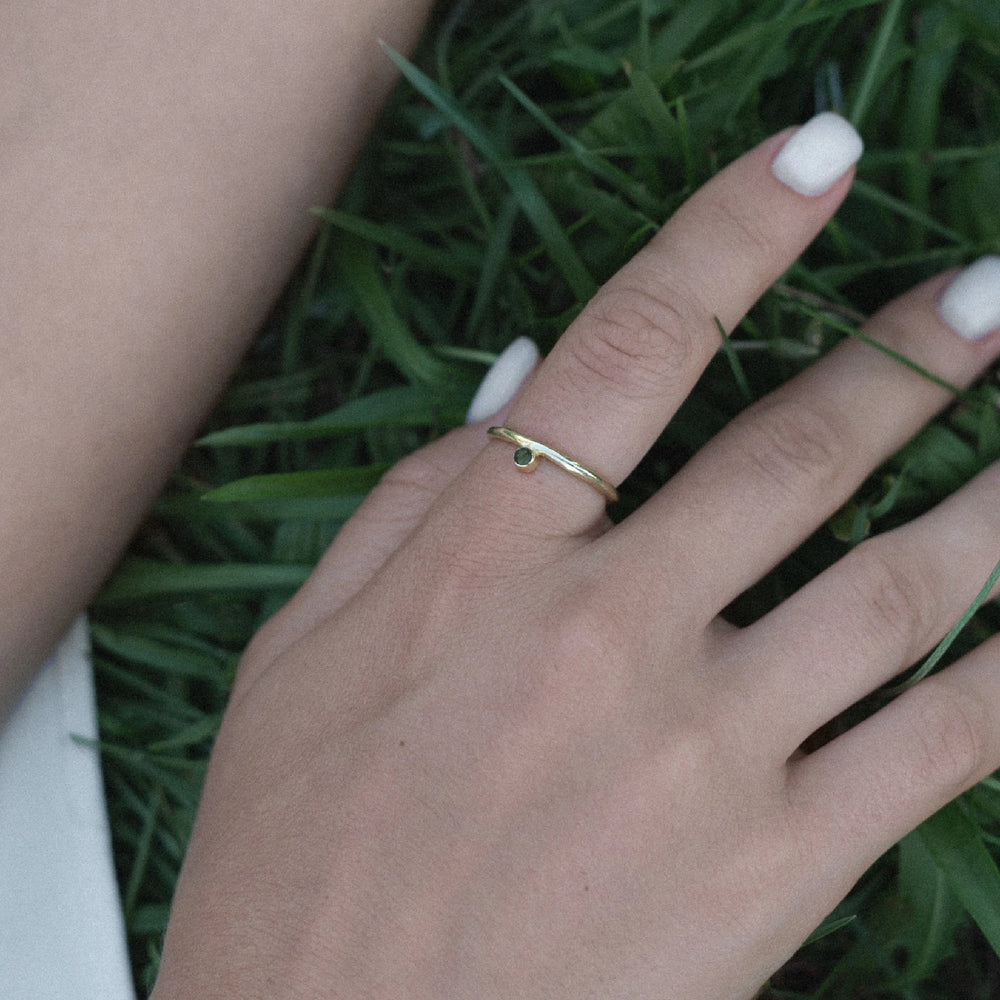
(620, 371)
(766, 482)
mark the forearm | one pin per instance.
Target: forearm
(156, 170)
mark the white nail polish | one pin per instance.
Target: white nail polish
(503, 379)
(971, 303)
(818, 154)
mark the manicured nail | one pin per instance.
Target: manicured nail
(971, 303)
(503, 379)
(818, 154)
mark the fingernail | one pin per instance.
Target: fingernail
(971, 303)
(503, 379)
(818, 154)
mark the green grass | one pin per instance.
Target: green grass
(531, 149)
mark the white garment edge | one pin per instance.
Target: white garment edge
(62, 933)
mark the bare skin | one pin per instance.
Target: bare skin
(157, 168)
(496, 748)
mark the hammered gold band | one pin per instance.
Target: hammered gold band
(529, 452)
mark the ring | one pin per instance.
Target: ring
(529, 452)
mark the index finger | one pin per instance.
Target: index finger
(622, 369)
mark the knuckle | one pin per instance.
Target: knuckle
(950, 727)
(792, 445)
(590, 644)
(586, 630)
(638, 343)
(895, 594)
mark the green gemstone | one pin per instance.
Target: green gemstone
(523, 457)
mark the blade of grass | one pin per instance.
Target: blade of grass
(592, 162)
(534, 206)
(311, 484)
(143, 848)
(875, 68)
(933, 910)
(876, 196)
(387, 329)
(325, 508)
(168, 658)
(661, 122)
(942, 648)
(851, 331)
(678, 35)
(956, 845)
(838, 275)
(498, 250)
(460, 262)
(739, 375)
(397, 406)
(938, 40)
(140, 579)
(829, 927)
(781, 27)
(197, 733)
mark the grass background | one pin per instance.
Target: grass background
(530, 150)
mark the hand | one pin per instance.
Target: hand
(497, 748)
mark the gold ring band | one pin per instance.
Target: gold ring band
(529, 452)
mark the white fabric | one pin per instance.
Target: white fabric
(61, 929)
